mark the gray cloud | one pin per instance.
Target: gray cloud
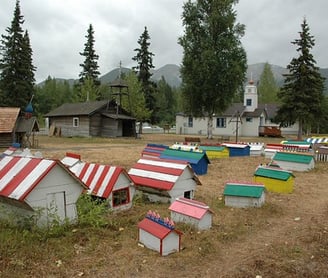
(58, 28)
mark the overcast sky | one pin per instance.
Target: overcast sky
(57, 30)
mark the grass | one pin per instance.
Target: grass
(263, 241)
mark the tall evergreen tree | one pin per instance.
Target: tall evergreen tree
(267, 88)
(17, 70)
(144, 59)
(214, 62)
(302, 92)
(89, 73)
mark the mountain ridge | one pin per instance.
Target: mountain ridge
(171, 73)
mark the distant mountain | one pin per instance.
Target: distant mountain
(254, 71)
(171, 73)
(112, 75)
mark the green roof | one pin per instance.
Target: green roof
(212, 148)
(186, 155)
(295, 142)
(241, 190)
(277, 174)
(293, 157)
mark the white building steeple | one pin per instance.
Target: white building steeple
(250, 97)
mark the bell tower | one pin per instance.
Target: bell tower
(250, 97)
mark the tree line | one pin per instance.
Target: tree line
(213, 73)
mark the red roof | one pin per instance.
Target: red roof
(156, 229)
(158, 173)
(190, 208)
(100, 179)
(20, 175)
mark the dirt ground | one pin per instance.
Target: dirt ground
(287, 237)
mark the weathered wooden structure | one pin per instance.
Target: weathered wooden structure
(91, 119)
(17, 128)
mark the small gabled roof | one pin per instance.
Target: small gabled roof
(80, 108)
(236, 145)
(243, 189)
(20, 175)
(154, 149)
(156, 229)
(27, 125)
(159, 173)
(8, 118)
(273, 173)
(208, 147)
(100, 179)
(192, 208)
(188, 156)
(293, 157)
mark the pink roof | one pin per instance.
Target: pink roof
(100, 179)
(20, 175)
(157, 173)
(189, 207)
(156, 229)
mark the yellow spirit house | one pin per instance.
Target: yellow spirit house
(275, 179)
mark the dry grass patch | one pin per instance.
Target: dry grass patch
(287, 237)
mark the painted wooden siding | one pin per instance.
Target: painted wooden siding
(170, 244)
(244, 202)
(202, 224)
(275, 185)
(56, 181)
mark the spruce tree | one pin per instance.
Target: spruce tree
(17, 70)
(302, 93)
(214, 62)
(144, 59)
(89, 73)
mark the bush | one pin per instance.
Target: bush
(92, 211)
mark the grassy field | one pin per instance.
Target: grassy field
(287, 237)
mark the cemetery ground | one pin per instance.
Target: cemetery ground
(287, 237)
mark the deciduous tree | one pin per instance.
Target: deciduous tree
(214, 62)
(267, 88)
(136, 103)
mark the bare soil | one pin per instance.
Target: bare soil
(287, 237)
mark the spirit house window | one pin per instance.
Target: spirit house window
(120, 197)
(76, 122)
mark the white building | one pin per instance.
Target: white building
(246, 118)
